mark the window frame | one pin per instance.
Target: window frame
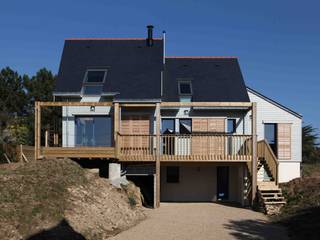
(85, 82)
(185, 82)
(234, 124)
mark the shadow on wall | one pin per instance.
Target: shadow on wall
(62, 231)
(256, 229)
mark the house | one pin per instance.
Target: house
(188, 127)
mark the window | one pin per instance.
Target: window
(168, 143)
(270, 134)
(185, 126)
(95, 76)
(167, 126)
(93, 131)
(172, 174)
(185, 88)
(93, 82)
(231, 128)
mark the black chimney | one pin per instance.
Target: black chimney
(150, 36)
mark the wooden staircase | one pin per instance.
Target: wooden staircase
(269, 194)
(270, 197)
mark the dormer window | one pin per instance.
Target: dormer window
(185, 88)
(93, 82)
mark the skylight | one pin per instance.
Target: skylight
(93, 82)
(95, 76)
(185, 88)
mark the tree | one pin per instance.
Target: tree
(12, 98)
(40, 88)
(310, 147)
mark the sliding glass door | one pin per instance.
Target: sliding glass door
(93, 131)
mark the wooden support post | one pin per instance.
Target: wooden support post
(55, 139)
(36, 126)
(20, 153)
(46, 136)
(116, 125)
(158, 119)
(37, 130)
(254, 150)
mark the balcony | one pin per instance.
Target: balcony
(178, 147)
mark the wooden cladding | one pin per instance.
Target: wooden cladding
(284, 140)
(206, 145)
(135, 125)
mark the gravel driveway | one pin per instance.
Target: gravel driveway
(205, 221)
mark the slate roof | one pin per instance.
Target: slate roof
(133, 68)
(213, 79)
(134, 71)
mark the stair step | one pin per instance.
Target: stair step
(272, 198)
(271, 191)
(271, 195)
(271, 203)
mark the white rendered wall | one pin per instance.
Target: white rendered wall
(68, 118)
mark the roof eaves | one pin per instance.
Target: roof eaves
(109, 39)
(274, 102)
(202, 57)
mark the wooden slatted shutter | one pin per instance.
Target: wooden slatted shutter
(216, 145)
(199, 143)
(202, 145)
(284, 141)
(136, 125)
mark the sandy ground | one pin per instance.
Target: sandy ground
(203, 221)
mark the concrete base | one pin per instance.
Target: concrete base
(114, 171)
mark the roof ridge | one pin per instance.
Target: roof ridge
(112, 39)
(203, 57)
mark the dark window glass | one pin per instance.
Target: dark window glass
(92, 89)
(172, 174)
(231, 128)
(95, 76)
(167, 126)
(93, 131)
(185, 126)
(270, 134)
(185, 88)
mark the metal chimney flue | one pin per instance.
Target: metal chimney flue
(150, 36)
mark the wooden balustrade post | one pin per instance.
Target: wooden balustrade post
(116, 122)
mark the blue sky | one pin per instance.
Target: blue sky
(277, 42)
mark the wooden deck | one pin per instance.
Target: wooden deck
(181, 148)
(78, 152)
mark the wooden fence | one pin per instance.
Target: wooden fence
(17, 153)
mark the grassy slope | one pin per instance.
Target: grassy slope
(57, 198)
(302, 213)
(35, 194)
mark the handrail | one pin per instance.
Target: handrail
(265, 151)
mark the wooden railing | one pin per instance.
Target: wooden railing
(25, 153)
(264, 151)
(182, 147)
(136, 147)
